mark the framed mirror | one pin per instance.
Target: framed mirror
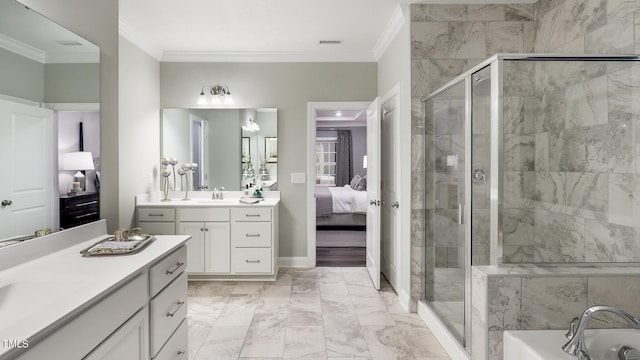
(232, 146)
(49, 85)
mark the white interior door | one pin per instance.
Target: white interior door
(373, 192)
(27, 158)
(389, 171)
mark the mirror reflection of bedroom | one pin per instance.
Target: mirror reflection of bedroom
(341, 184)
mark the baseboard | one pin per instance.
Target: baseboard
(404, 300)
(448, 342)
(293, 262)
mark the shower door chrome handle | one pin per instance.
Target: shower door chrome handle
(460, 214)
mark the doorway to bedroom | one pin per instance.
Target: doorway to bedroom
(340, 186)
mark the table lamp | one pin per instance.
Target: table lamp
(78, 161)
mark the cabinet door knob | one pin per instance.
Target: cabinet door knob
(6, 203)
(201, 229)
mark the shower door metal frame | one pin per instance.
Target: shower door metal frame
(496, 169)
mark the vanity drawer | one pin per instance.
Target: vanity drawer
(176, 346)
(251, 234)
(156, 214)
(251, 214)
(167, 310)
(251, 260)
(167, 269)
(203, 214)
(157, 227)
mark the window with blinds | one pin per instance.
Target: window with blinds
(326, 161)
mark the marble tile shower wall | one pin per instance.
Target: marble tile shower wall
(446, 40)
(571, 183)
(449, 39)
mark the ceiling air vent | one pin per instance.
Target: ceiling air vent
(330, 42)
(69, 42)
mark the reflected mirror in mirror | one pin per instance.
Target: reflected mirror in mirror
(49, 79)
(229, 146)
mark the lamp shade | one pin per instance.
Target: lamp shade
(80, 160)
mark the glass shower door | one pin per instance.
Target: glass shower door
(445, 283)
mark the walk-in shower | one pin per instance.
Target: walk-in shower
(529, 159)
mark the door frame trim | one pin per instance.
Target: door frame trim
(312, 106)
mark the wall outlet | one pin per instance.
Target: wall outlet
(298, 178)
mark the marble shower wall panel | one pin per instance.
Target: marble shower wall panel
(584, 137)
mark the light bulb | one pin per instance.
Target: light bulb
(202, 99)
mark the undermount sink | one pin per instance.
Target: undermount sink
(602, 344)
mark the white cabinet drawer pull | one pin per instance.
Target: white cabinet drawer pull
(252, 235)
(181, 354)
(178, 266)
(252, 261)
(252, 215)
(172, 314)
(156, 214)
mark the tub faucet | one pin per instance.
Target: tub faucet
(575, 346)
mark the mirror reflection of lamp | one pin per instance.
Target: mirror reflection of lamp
(78, 161)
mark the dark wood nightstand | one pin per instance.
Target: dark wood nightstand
(79, 209)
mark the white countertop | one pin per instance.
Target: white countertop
(203, 199)
(42, 293)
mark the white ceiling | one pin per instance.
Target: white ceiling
(266, 30)
(341, 118)
(30, 34)
(258, 30)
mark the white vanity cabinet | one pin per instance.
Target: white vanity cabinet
(229, 241)
(143, 319)
(210, 244)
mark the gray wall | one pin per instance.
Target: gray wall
(139, 132)
(289, 87)
(224, 149)
(72, 83)
(21, 77)
(98, 24)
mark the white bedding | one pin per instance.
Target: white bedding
(347, 200)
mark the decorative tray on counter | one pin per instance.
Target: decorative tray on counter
(110, 246)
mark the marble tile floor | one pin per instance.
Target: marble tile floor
(320, 313)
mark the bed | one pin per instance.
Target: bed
(340, 207)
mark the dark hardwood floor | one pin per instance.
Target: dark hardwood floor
(341, 256)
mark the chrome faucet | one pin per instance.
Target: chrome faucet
(217, 193)
(576, 346)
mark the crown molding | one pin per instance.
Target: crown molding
(389, 33)
(267, 56)
(128, 33)
(22, 49)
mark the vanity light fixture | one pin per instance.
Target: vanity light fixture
(252, 126)
(220, 94)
